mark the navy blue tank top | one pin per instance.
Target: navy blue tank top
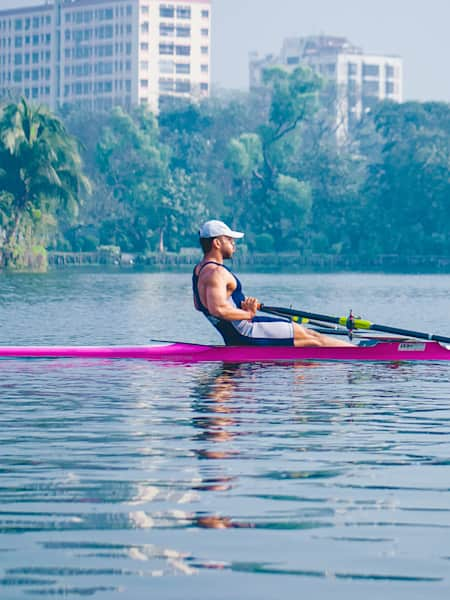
(225, 328)
(237, 294)
(231, 330)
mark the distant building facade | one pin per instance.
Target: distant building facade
(101, 53)
(356, 80)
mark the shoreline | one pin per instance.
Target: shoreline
(286, 262)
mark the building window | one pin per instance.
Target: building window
(166, 66)
(292, 60)
(166, 30)
(183, 12)
(166, 48)
(204, 68)
(166, 85)
(144, 10)
(390, 89)
(144, 83)
(352, 87)
(18, 24)
(204, 87)
(183, 50)
(371, 70)
(167, 12)
(204, 50)
(18, 41)
(145, 27)
(371, 88)
(205, 32)
(369, 103)
(389, 71)
(183, 69)
(144, 46)
(144, 65)
(183, 32)
(184, 87)
(205, 14)
(352, 69)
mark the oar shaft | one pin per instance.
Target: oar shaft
(410, 333)
(290, 312)
(353, 323)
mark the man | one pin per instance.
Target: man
(218, 295)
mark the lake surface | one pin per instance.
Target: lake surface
(127, 479)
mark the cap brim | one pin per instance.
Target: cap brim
(236, 234)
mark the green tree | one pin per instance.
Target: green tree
(40, 170)
(156, 201)
(407, 192)
(133, 165)
(294, 98)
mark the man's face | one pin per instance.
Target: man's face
(227, 246)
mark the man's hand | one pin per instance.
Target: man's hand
(251, 305)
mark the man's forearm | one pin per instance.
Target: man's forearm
(229, 313)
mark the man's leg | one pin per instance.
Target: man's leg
(307, 337)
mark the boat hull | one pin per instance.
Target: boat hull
(180, 352)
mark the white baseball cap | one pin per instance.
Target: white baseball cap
(212, 229)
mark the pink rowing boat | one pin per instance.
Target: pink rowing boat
(391, 350)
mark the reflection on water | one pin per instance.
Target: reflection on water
(105, 464)
(135, 480)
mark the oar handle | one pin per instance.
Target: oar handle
(352, 323)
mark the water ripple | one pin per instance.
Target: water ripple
(117, 475)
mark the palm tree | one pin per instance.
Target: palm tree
(40, 168)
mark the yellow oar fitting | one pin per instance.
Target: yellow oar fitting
(356, 323)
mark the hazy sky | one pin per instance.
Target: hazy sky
(416, 30)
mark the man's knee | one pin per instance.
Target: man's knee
(303, 333)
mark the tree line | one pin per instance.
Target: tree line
(270, 163)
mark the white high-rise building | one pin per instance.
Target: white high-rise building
(101, 53)
(354, 79)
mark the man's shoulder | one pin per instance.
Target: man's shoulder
(213, 271)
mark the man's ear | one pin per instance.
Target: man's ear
(216, 243)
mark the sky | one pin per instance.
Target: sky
(416, 30)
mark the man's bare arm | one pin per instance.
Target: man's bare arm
(217, 299)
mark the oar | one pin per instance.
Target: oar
(350, 323)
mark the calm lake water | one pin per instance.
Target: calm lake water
(127, 479)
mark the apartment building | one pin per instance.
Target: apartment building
(101, 53)
(354, 80)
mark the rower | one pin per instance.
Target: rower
(218, 295)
